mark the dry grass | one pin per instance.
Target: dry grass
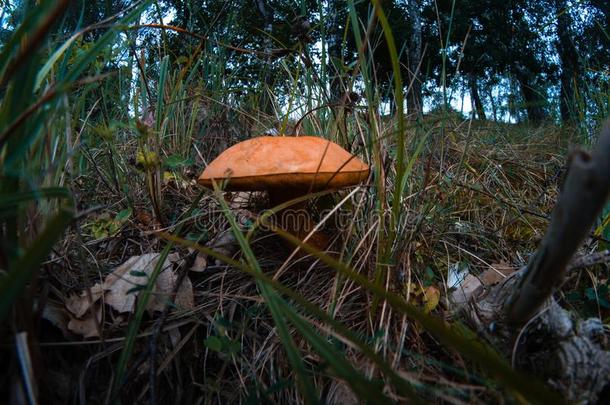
(475, 195)
(478, 196)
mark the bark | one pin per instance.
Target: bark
(476, 99)
(520, 316)
(533, 100)
(414, 92)
(569, 62)
(337, 13)
(266, 104)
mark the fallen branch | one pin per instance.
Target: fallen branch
(520, 316)
(584, 194)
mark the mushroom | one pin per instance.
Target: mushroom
(287, 167)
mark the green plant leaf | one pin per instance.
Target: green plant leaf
(176, 161)
(11, 200)
(123, 215)
(213, 343)
(275, 305)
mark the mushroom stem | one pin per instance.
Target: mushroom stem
(295, 219)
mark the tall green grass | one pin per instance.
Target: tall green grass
(37, 127)
(36, 145)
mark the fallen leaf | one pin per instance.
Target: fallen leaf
(127, 280)
(428, 297)
(121, 288)
(496, 273)
(457, 273)
(200, 264)
(86, 326)
(166, 282)
(57, 315)
(144, 217)
(431, 298)
(79, 304)
(239, 199)
(415, 291)
(464, 290)
(224, 243)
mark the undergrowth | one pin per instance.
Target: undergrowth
(103, 168)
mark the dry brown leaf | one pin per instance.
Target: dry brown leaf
(464, 290)
(432, 296)
(428, 297)
(497, 273)
(121, 282)
(120, 290)
(143, 217)
(166, 282)
(239, 199)
(185, 298)
(79, 304)
(224, 243)
(136, 271)
(200, 263)
(86, 326)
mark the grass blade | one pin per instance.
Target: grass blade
(22, 270)
(275, 303)
(458, 338)
(11, 200)
(403, 386)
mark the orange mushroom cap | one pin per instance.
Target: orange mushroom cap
(271, 163)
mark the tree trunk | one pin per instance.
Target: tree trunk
(337, 13)
(414, 96)
(476, 99)
(494, 109)
(266, 101)
(534, 101)
(519, 315)
(462, 102)
(569, 62)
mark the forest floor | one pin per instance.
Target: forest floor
(478, 202)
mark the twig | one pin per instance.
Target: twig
(590, 259)
(584, 194)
